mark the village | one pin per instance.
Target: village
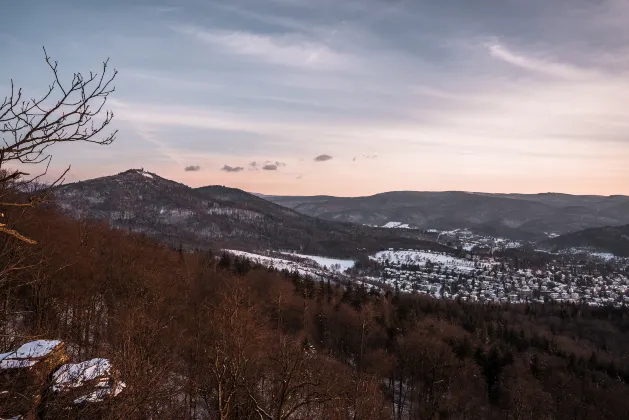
(491, 280)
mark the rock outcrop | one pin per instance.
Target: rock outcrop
(36, 382)
(25, 374)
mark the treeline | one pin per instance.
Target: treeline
(203, 336)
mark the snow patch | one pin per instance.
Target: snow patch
(74, 375)
(101, 393)
(396, 225)
(277, 263)
(331, 263)
(418, 257)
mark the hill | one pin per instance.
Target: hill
(612, 239)
(217, 216)
(517, 216)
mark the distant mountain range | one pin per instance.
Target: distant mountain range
(532, 217)
(217, 216)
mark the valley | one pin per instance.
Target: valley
(473, 264)
(576, 278)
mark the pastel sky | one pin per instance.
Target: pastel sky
(348, 97)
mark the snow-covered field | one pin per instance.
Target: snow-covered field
(330, 263)
(314, 272)
(420, 257)
(278, 263)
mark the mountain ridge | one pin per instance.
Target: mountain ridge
(526, 216)
(217, 216)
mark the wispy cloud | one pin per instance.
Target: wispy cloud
(192, 168)
(270, 167)
(292, 50)
(545, 66)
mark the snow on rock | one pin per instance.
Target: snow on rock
(331, 263)
(72, 375)
(101, 393)
(146, 174)
(95, 373)
(28, 354)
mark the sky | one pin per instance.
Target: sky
(346, 98)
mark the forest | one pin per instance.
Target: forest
(202, 335)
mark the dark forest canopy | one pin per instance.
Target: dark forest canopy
(209, 336)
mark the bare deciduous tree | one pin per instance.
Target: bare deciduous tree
(67, 112)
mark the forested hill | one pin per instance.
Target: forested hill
(217, 216)
(612, 239)
(517, 216)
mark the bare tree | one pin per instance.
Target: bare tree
(67, 112)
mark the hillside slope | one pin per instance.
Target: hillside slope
(518, 216)
(612, 239)
(217, 216)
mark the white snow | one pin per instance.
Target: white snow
(603, 255)
(606, 256)
(326, 262)
(314, 272)
(398, 225)
(101, 393)
(146, 174)
(73, 375)
(277, 263)
(28, 354)
(413, 256)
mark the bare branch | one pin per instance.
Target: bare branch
(28, 127)
(16, 234)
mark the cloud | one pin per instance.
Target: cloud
(323, 158)
(266, 165)
(228, 168)
(370, 157)
(192, 168)
(291, 50)
(548, 67)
